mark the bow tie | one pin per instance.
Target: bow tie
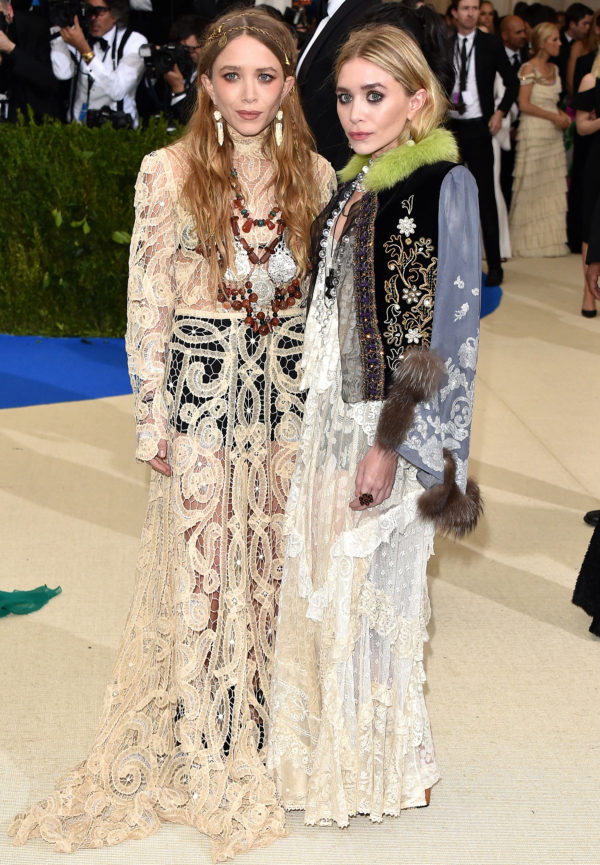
(99, 42)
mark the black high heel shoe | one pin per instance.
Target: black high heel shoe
(589, 313)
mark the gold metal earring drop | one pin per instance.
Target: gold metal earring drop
(279, 128)
(220, 131)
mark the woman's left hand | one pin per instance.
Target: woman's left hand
(375, 475)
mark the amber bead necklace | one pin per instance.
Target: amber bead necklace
(261, 320)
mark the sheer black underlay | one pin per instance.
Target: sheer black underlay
(190, 336)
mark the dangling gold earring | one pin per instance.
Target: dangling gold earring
(279, 128)
(220, 131)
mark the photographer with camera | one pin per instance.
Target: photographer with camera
(102, 60)
(181, 78)
(26, 77)
(171, 71)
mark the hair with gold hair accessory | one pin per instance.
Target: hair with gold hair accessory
(287, 144)
(222, 36)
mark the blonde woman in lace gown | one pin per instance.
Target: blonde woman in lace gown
(389, 362)
(538, 216)
(213, 356)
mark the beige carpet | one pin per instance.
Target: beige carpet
(514, 676)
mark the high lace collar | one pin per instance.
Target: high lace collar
(251, 145)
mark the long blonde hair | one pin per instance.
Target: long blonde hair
(397, 53)
(207, 191)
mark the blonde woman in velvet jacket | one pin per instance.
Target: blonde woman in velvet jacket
(389, 362)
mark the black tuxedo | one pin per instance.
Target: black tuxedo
(473, 135)
(507, 157)
(26, 73)
(490, 57)
(316, 83)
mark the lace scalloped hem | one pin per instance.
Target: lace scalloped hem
(407, 804)
(70, 824)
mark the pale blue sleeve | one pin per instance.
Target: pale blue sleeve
(444, 421)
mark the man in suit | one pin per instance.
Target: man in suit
(578, 20)
(314, 76)
(26, 77)
(514, 39)
(477, 58)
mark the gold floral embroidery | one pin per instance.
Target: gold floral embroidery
(409, 293)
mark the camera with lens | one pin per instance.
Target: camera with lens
(162, 58)
(99, 116)
(62, 12)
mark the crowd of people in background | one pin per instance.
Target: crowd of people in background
(516, 85)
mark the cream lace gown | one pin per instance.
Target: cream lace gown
(538, 215)
(182, 729)
(350, 732)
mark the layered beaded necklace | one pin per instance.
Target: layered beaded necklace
(331, 278)
(266, 289)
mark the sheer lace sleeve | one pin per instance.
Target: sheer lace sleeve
(150, 301)
(326, 179)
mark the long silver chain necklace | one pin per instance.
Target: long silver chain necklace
(331, 278)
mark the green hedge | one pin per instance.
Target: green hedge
(66, 214)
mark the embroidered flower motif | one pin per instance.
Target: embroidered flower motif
(406, 225)
(411, 294)
(475, 292)
(413, 335)
(467, 353)
(424, 246)
(458, 282)
(460, 313)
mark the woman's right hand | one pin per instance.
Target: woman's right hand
(562, 121)
(159, 462)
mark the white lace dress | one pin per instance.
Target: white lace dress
(350, 732)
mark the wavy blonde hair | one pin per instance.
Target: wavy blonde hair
(207, 190)
(397, 53)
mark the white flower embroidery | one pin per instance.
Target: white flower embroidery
(475, 292)
(406, 225)
(460, 313)
(413, 335)
(458, 282)
(411, 294)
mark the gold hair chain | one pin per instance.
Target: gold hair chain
(222, 37)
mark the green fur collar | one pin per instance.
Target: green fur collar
(393, 166)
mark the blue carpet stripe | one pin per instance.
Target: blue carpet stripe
(36, 370)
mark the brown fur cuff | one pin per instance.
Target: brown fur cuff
(416, 379)
(452, 512)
